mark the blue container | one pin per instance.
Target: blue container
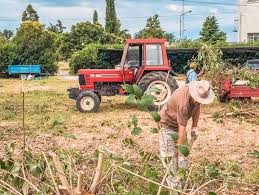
(24, 69)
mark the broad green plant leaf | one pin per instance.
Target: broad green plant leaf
(138, 91)
(134, 120)
(155, 116)
(131, 99)
(154, 130)
(147, 100)
(136, 131)
(183, 150)
(175, 136)
(128, 88)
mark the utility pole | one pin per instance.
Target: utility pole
(181, 24)
(183, 20)
(180, 28)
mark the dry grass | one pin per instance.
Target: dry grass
(52, 122)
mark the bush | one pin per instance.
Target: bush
(92, 57)
(7, 56)
(32, 44)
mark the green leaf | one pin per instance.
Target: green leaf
(255, 154)
(181, 172)
(128, 88)
(69, 136)
(16, 169)
(183, 149)
(138, 91)
(152, 188)
(155, 116)
(212, 193)
(147, 100)
(175, 136)
(134, 120)
(154, 130)
(136, 131)
(131, 99)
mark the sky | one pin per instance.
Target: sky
(132, 13)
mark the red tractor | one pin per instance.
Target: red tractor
(144, 62)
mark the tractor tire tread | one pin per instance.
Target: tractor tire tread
(155, 76)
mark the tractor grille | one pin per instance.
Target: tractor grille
(81, 79)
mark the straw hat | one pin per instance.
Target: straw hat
(201, 92)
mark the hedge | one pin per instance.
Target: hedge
(179, 58)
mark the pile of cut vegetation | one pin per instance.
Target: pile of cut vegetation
(214, 69)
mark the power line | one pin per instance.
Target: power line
(215, 3)
(129, 17)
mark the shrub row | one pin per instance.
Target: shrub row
(97, 56)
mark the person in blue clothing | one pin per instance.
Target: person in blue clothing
(191, 74)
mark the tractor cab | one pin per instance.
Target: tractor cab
(144, 62)
(144, 55)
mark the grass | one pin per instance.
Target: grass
(53, 123)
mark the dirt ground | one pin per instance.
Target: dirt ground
(230, 141)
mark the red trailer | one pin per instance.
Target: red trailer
(230, 90)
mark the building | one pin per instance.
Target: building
(248, 21)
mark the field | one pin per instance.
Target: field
(52, 123)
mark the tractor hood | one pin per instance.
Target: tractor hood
(101, 73)
(87, 77)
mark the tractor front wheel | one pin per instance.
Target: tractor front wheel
(87, 101)
(161, 86)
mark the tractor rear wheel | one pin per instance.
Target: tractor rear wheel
(87, 101)
(162, 89)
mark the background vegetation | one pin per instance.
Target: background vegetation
(86, 43)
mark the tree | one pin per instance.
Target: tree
(57, 28)
(7, 34)
(2, 39)
(95, 17)
(152, 29)
(112, 23)
(170, 38)
(210, 31)
(30, 14)
(35, 45)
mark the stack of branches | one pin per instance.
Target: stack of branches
(46, 173)
(214, 69)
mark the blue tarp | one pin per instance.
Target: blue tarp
(24, 69)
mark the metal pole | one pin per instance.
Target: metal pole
(240, 28)
(180, 28)
(183, 20)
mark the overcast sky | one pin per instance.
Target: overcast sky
(132, 13)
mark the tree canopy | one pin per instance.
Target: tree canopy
(30, 14)
(95, 17)
(210, 31)
(56, 28)
(112, 23)
(152, 29)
